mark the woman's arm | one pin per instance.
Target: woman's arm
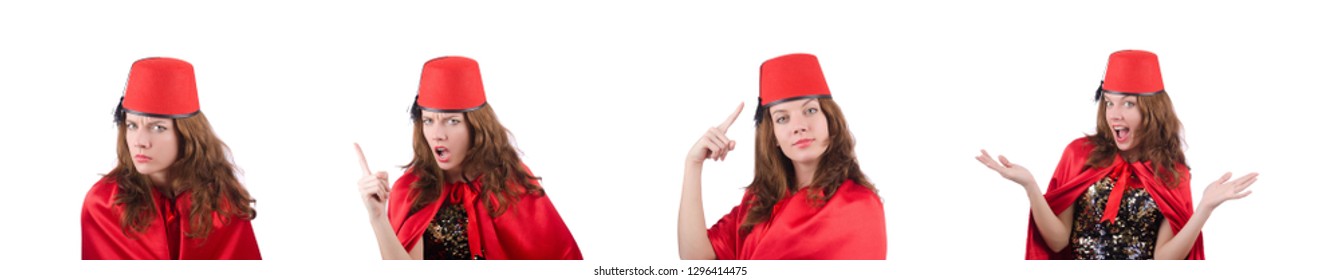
(693, 241)
(375, 190)
(1055, 229)
(390, 244)
(1176, 246)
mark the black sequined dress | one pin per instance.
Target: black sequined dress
(1130, 236)
(447, 236)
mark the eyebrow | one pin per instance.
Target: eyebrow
(807, 102)
(443, 116)
(1114, 99)
(150, 122)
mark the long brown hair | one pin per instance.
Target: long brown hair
(490, 155)
(774, 174)
(203, 168)
(1158, 141)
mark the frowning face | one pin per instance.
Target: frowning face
(152, 143)
(448, 137)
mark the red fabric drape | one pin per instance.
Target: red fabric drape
(530, 229)
(850, 226)
(165, 237)
(1071, 179)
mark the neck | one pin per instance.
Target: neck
(454, 175)
(161, 181)
(1128, 155)
(805, 173)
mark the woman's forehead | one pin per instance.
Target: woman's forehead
(1118, 96)
(145, 119)
(793, 104)
(431, 114)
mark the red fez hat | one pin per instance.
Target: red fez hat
(160, 87)
(789, 77)
(1131, 72)
(450, 84)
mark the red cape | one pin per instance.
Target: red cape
(850, 226)
(1071, 179)
(165, 237)
(530, 229)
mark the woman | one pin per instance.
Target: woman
(466, 194)
(809, 198)
(173, 193)
(1123, 192)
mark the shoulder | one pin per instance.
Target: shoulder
(850, 198)
(102, 193)
(525, 173)
(1080, 145)
(406, 179)
(852, 190)
(104, 187)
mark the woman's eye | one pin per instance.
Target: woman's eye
(812, 110)
(1129, 104)
(159, 128)
(782, 119)
(454, 121)
(427, 121)
(131, 126)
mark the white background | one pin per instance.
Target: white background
(605, 98)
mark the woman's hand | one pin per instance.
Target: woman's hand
(714, 144)
(1014, 172)
(1223, 190)
(373, 187)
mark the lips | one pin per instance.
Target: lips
(442, 154)
(1122, 133)
(140, 158)
(803, 143)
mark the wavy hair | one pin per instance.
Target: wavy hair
(203, 168)
(490, 155)
(774, 173)
(1158, 140)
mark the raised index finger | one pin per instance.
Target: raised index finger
(362, 160)
(731, 120)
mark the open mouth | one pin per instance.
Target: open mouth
(1122, 133)
(442, 154)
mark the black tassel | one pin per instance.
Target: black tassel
(415, 112)
(758, 113)
(119, 115)
(1098, 95)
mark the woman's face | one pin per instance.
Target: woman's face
(448, 136)
(153, 144)
(801, 129)
(1123, 118)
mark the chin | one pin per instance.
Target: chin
(808, 155)
(805, 157)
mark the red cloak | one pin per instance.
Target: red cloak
(165, 237)
(530, 229)
(1072, 178)
(850, 226)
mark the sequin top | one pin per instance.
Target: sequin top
(1131, 236)
(446, 237)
